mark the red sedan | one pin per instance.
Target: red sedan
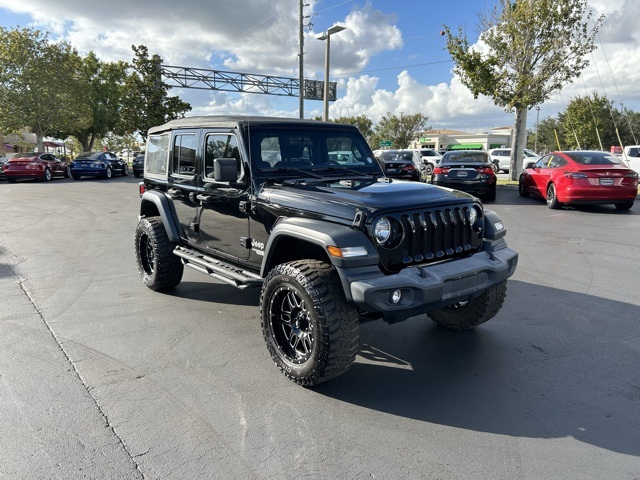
(40, 165)
(580, 177)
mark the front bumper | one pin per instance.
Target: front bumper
(431, 287)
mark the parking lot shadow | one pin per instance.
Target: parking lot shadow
(551, 365)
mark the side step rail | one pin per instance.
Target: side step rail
(217, 269)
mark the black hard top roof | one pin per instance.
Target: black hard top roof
(233, 121)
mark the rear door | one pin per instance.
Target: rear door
(183, 188)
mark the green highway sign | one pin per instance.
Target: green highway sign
(386, 143)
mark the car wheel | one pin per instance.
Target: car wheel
(552, 199)
(125, 170)
(136, 174)
(11, 180)
(491, 195)
(311, 332)
(624, 206)
(428, 169)
(75, 176)
(67, 172)
(47, 175)
(469, 314)
(521, 191)
(109, 173)
(159, 268)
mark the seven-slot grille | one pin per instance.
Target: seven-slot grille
(432, 235)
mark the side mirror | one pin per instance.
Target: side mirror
(530, 165)
(225, 169)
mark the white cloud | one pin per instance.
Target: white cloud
(262, 37)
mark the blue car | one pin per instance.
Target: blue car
(98, 164)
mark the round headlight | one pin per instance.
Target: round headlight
(473, 216)
(382, 230)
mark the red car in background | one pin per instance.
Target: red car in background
(580, 177)
(39, 165)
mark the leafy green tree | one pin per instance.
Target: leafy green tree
(534, 48)
(364, 124)
(590, 123)
(104, 86)
(146, 100)
(547, 130)
(40, 84)
(399, 130)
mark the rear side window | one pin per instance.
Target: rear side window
(157, 154)
(184, 154)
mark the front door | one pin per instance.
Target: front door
(224, 222)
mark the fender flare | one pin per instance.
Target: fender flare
(167, 211)
(323, 234)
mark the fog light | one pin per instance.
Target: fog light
(396, 296)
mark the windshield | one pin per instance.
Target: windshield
(594, 158)
(464, 157)
(301, 151)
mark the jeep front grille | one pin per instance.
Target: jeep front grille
(432, 235)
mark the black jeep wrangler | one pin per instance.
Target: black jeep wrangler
(302, 209)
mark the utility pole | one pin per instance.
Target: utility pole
(301, 62)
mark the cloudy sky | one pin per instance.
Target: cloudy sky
(390, 58)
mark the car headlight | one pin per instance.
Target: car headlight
(473, 215)
(387, 232)
(382, 230)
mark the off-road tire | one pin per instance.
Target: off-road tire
(465, 315)
(311, 332)
(159, 268)
(552, 198)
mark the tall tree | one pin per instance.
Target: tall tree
(589, 123)
(40, 84)
(534, 48)
(549, 131)
(399, 130)
(104, 87)
(147, 102)
(364, 124)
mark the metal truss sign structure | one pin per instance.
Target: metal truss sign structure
(199, 78)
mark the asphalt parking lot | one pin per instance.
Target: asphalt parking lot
(102, 378)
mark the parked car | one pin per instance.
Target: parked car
(430, 159)
(467, 170)
(580, 177)
(3, 160)
(402, 164)
(138, 166)
(98, 164)
(38, 165)
(501, 157)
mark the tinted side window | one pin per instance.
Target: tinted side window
(184, 154)
(221, 146)
(157, 154)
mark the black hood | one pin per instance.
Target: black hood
(343, 198)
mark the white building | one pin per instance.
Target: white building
(454, 140)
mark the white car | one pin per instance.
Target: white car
(502, 158)
(430, 158)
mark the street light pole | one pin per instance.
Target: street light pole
(535, 148)
(327, 36)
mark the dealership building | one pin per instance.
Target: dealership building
(454, 140)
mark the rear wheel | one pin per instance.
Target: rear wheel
(159, 268)
(125, 170)
(552, 199)
(491, 195)
(75, 176)
(624, 206)
(428, 169)
(469, 314)
(311, 331)
(67, 172)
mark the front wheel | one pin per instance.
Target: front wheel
(552, 198)
(47, 175)
(109, 173)
(469, 314)
(311, 332)
(67, 172)
(521, 190)
(428, 169)
(159, 268)
(125, 170)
